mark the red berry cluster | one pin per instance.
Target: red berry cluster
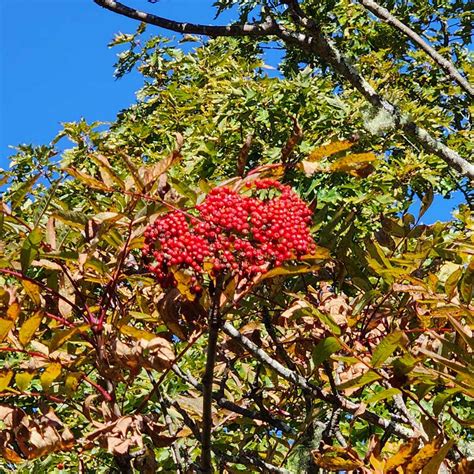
(239, 234)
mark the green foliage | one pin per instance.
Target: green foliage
(105, 369)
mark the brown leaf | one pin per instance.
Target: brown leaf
(423, 456)
(336, 458)
(403, 455)
(30, 438)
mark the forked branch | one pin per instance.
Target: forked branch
(309, 37)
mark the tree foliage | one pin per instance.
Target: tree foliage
(359, 357)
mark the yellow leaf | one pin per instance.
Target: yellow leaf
(423, 456)
(5, 327)
(72, 381)
(184, 285)
(293, 270)
(404, 454)
(10, 455)
(23, 380)
(29, 328)
(87, 180)
(5, 378)
(330, 149)
(137, 333)
(435, 462)
(62, 336)
(51, 373)
(32, 291)
(13, 311)
(352, 162)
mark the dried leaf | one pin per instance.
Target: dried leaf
(424, 456)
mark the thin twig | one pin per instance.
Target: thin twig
(447, 66)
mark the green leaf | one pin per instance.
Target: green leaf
(442, 398)
(387, 347)
(324, 349)
(383, 395)
(30, 248)
(23, 380)
(18, 196)
(62, 336)
(360, 381)
(327, 320)
(426, 201)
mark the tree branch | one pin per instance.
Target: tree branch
(306, 386)
(447, 66)
(315, 42)
(208, 378)
(325, 48)
(231, 406)
(247, 29)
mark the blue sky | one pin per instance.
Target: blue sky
(55, 67)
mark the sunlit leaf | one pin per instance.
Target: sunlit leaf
(29, 327)
(63, 335)
(5, 378)
(329, 149)
(364, 379)
(50, 374)
(32, 291)
(5, 327)
(383, 395)
(427, 453)
(23, 380)
(89, 181)
(387, 347)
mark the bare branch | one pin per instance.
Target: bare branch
(316, 391)
(247, 29)
(447, 66)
